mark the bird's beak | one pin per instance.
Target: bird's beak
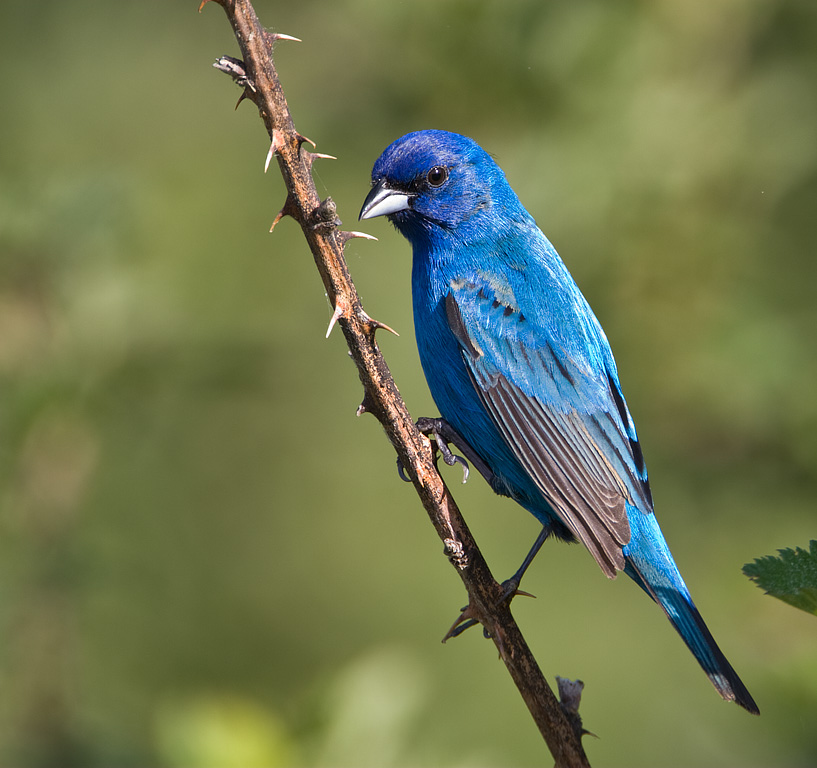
(382, 201)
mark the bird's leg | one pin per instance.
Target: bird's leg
(510, 587)
(443, 434)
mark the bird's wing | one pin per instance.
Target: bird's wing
(558, 405)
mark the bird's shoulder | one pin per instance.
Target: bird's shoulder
(521, 313)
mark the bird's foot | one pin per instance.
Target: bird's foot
(510, 587)
(443, 434)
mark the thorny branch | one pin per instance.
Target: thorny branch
(255, 71)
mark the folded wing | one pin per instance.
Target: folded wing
(560, 411)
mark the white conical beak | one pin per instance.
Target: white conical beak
(382, 201)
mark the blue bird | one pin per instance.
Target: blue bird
(519, 366)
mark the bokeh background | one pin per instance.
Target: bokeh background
(206, 559)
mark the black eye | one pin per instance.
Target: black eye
(437, 175)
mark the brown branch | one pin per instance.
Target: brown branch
(381, 398)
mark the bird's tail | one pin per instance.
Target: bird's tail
(650, 564)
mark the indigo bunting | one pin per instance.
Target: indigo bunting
(520, 367)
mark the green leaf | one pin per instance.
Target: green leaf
(792, 577)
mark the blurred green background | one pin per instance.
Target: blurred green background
(208, 561)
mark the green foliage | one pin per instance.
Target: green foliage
(791, 577)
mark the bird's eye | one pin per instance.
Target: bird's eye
(437, 175)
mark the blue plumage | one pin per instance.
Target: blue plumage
(518, 364)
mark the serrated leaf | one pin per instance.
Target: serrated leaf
(791, 577)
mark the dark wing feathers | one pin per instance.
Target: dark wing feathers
(567, 467)
(580, 458)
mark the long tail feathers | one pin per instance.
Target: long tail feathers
(650, 564)
(686, 619)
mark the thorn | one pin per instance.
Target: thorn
(241, 98)
(367, 406)
(288, 210)
(341, 307)
(302, 139)
(310, 157)
(278, 218)
(204, 2)
(335, 315)
(465, 620)
(377, 325)
(274, 36)
(275, 146)
(345, 237)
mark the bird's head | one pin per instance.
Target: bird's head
(431, 182)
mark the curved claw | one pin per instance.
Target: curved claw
(402, 472)
(466, 470)
(451, 458)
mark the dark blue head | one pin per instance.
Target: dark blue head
(429, 183)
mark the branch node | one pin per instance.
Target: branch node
(455, 552)
(570, 696)
(235, 68)
(325, 216)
